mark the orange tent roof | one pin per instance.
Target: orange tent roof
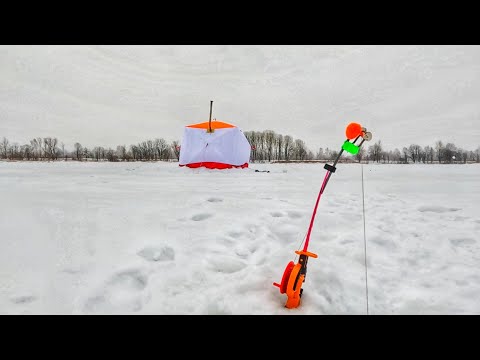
(214, 125)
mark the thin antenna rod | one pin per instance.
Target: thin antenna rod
(365, 242)
(210, 118)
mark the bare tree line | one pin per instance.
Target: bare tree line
(267, 146)
(49, 149)
(440, 153)
(270, 146)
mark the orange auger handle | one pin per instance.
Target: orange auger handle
(285, 277)
(307, 253)
(293, 279)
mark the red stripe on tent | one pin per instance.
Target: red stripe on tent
(215, 165)
(214, 124)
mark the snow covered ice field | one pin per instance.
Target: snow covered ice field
(155, 238)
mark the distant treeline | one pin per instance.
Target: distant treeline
(270, 146)
(49, 148)
(267, 146)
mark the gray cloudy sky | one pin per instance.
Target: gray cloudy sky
(113, 95)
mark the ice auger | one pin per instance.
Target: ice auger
(294, 274)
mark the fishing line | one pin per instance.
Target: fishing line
(365, 243)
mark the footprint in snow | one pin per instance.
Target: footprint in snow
(121, 293)
(200, 217)
(24, 299)
(437, 209)
(462, 242)
(276, 214)
(151, 253)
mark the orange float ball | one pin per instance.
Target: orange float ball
(353, 130)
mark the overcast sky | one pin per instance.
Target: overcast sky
(121, 95)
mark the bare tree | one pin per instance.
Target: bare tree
(135, 152)
(287, 147)
(415, 152)
(449, 152)
(300, 150)
(361, 154)
(50, 148)
(269, 137)
(14, 152)
(122, 152)
(439, 148)
(4, 147)
(63, 151)
(253, 140)
(320, 154)
(397, 155)
(405, 155)
(45, 148)
(150, 150)
(260, 153)
(54, 148)
(86, 153)
(279, 147)
(429, 154)
(161, 149)
(26, 151)
(78, 151)
(36, 145)
(375, 151)
(176, 149)
(97, 153)
(110, 154)
(334, 154)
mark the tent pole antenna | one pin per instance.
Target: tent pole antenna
(210, 119)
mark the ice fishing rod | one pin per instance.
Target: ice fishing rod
(294, 274)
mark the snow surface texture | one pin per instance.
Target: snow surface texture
(155, 238)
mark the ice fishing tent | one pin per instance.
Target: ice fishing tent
(214, 145)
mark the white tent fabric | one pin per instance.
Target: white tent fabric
(225, 147)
